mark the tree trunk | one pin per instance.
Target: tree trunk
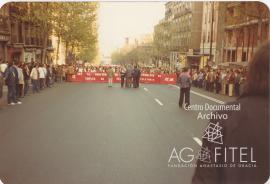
(248, 43)
(66, 51)
(252, 47)
(259, 31)
(44, 48)
(243, 41)
(57, 48)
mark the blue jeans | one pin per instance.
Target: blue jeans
(11, 96)
(35, 85)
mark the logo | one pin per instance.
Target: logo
(204, 155)
(213, 133)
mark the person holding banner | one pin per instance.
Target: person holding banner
(110, 74)
(129, 76)
(123, 71)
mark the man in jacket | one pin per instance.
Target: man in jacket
(11, 79)
(185, 84)
(136, 77)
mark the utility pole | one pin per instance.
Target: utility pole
(211, 30)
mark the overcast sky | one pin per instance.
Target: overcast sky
(118, 20)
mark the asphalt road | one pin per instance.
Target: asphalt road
(89, 133)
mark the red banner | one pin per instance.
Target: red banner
(95, 77)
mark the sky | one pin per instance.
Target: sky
(118, 20)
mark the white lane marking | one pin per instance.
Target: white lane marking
(201, 95)
(208, 97)
(145, 89)
(174, 86)
(1, 182)
(197, 140)
(159, 102)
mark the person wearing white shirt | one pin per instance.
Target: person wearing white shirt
(41, 77)
(3, 67)
(34, 75)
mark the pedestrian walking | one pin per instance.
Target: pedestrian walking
(185, 84)
(246, 131)
(110, 74)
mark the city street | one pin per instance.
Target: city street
(89, 133)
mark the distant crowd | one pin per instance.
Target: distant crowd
(221, 81)
(227, 82)
(19, 77)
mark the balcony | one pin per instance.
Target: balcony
(4, 27)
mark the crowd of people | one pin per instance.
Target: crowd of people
(130, 76)
(19, 77)
(227, 82)
(221, 81)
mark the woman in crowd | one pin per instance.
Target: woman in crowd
(246, 129)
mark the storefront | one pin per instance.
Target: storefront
(193, 61)
(16, 54)
(29, 55)
(3, 47)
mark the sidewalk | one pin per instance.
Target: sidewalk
(3, 100)
(224, 98)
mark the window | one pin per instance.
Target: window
(244, 56)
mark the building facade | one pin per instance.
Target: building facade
(212, 33)
(21, 40)
(4, 32)
(246, 27)
(183, 31)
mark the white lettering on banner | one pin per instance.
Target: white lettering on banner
(73, 77)
(102, 78)
(90, 78)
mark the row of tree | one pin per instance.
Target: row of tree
(74, 23)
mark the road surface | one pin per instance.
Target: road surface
(91, 134)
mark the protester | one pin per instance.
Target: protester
(42, 76)
(244, 129)
(2, 70)
(11, 80)
(110, 74)
(136, 76)
(185, 84)
(26, 76)
(20, 85)
(123, 71)
(129, 76)
(48, 76)
(34, 75)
